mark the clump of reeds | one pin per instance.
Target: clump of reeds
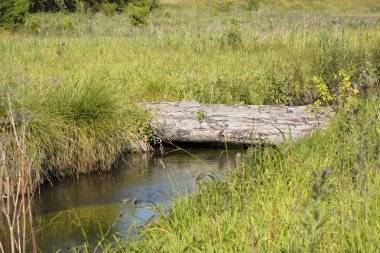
(16, 185)
(76, 128)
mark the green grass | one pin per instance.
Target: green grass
(317, 195)
(77, 78)
(187, 52)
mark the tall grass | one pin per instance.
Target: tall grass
(16, 186)
(81, 75)
(180, 54)
(76, 79)
(317, 195)
(75, 128)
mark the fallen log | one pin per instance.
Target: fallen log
(238, 124)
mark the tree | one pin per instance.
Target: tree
(52, 5)
(13, 13)
(138, 11)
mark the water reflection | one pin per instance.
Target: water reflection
(95, 203)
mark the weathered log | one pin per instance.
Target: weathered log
(238, 124)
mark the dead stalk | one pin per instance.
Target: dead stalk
(16, 187)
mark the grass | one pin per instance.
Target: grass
(77, 79)
(317, 195)
(81, 75)
(76, 128)
(179, 55)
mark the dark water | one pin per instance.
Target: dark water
(95, 203)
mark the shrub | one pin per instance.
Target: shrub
(154, 4)
(344, 92)
(109, 9)
(138, 12)
(13, 13)
(33, 25)
(53, 5)
(66, 25)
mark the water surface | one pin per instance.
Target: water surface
(112, 202)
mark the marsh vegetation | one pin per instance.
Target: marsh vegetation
(73, 81)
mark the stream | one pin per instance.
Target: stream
(114, 201)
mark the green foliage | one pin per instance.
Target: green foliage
(82, 6)
(138, 11)
(13, 13)
(325, 98)
(180, 57)
(109, 9)
(344, 91)
(65, 25)
(53, 5)
(154, 4)
(80, 95)
(316, 195)
(33, 26)
(200, 115)
(232, 37)
(250, 63)
(70, 5)
(70, 129)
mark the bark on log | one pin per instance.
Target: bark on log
(248, 124)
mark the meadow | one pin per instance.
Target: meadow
(80, 75)
(317, 195)
(77, 80)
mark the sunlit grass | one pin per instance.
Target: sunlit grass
(79, 77)
(317, 195)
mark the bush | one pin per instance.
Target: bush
(154, 4)
(33, 25)
(13, 13)
(138, 12)
(66, 25)
(109, 9)
(52, 5)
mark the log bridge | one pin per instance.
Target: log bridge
(190, 121)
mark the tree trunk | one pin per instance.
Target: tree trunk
(246, 124)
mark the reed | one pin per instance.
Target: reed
(16, 191)
(75, 81)
(84, 74)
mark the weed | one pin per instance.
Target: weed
(232, 36)
(200, 115)
(343, 93)
(33, 26)
(87, 73)
(282, 195)
(109, 9)
(138, 12)
(65, 25)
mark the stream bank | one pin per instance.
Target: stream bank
(115, 200)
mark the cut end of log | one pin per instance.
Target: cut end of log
(189, 121)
